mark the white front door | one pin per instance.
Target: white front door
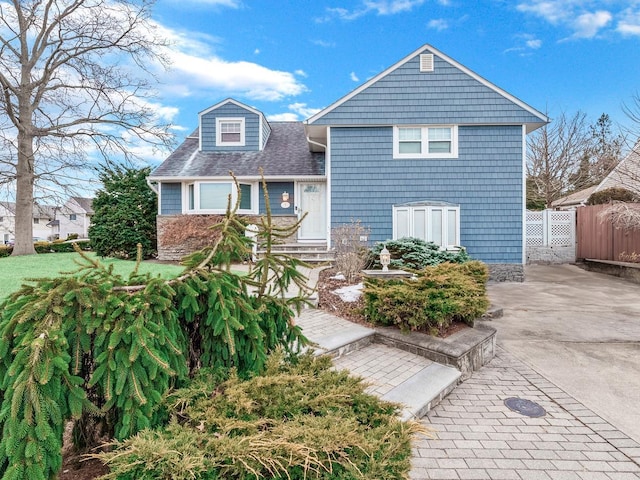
(312, 201)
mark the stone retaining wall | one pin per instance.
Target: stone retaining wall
(506, 272)
(551, 254)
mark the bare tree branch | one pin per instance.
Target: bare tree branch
(76, 80)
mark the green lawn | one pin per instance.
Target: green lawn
(14, 271)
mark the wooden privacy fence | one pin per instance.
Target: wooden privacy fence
(598, 239)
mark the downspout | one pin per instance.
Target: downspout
(327, 168)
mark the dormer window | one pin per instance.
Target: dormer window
(230, 132)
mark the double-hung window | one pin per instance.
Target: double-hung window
(425, 142)
(213, 197)
(230, 132)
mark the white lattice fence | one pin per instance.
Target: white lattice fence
(551, 228)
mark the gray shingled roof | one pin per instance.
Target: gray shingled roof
(85, 203)
(285, 154)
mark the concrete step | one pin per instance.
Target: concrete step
(394, 374)
(401, 377)
(310, 253)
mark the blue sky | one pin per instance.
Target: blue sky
(291, 58)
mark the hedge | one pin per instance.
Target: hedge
(49, 247)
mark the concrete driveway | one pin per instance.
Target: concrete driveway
(581, 331)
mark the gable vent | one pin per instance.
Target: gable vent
(426, 62)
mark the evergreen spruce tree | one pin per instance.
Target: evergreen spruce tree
(103, 350)
(125, 214)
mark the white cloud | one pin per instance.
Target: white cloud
(323, 43)
(297, 112)
(438, 24)
(301, 73)
(629, 24)
(588, 25)
(390, 7)
(378, 7)
(283, 117)
(256, 51)
(196, 67)
(241, 77)
(303, 109)
(525, 43)
(534, 43)
(219, 3)
(553, 11)
(583, 18)
(354, 77)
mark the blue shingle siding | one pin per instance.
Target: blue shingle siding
(170, 198)
(445, 96)
(275, 190)
(485, 180)
(229, 110)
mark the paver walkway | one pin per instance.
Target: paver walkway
(478, 437)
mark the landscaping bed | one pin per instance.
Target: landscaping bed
(354, 311)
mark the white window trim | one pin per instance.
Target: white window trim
(219, 122)
(425, 142)
(234, 197)
(429, 211)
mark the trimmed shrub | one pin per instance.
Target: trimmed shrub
(415, 254)
(60, 246)
(299, 420)
(5, 250)
(429, 303)
(612, 194)
(72, 236)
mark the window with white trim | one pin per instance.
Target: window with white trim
(213, 197)
(439, 224)
(425, 142)
(230, 132)
(72, 217)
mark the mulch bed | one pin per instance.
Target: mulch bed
(354, 311)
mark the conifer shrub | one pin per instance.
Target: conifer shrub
(414, 254)
(429, 303)
(103, 350)
(125, 214)
(297, 420)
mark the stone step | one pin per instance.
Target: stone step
(310, 253)
(395, 374)
(401, 377)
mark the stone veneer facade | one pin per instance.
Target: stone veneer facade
(188, 246)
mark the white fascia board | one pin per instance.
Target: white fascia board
(544, 119)
(235, 102)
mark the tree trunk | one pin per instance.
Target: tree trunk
(24, 196)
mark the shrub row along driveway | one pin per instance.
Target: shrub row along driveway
(581, 331)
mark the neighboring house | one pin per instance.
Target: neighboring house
(42, 216)
(74, 217)
(625, 175)
(427, 148)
